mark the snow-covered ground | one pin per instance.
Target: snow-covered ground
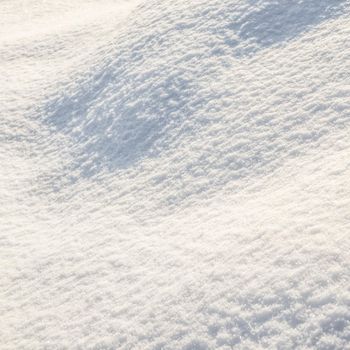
(175, 174)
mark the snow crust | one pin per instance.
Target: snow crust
(175, 174)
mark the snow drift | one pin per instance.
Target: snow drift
(175, 175)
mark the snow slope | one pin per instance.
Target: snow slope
(175, 174)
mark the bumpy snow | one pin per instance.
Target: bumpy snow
(175, 174)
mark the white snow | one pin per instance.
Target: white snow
(175, 174)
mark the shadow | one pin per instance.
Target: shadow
(196, 345)
(279, 21)
(114, 120)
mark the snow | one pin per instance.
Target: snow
(175, 174)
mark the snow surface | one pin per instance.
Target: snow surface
(175, 174)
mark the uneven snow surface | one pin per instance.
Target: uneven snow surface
(175, 174)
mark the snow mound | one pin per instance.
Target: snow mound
(157, 89)
(175, 175)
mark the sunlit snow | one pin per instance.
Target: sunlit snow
(175, 174)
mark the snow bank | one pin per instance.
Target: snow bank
(175, 175)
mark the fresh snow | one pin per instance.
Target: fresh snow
(175, 174)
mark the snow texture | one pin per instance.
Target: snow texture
(175, 174)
